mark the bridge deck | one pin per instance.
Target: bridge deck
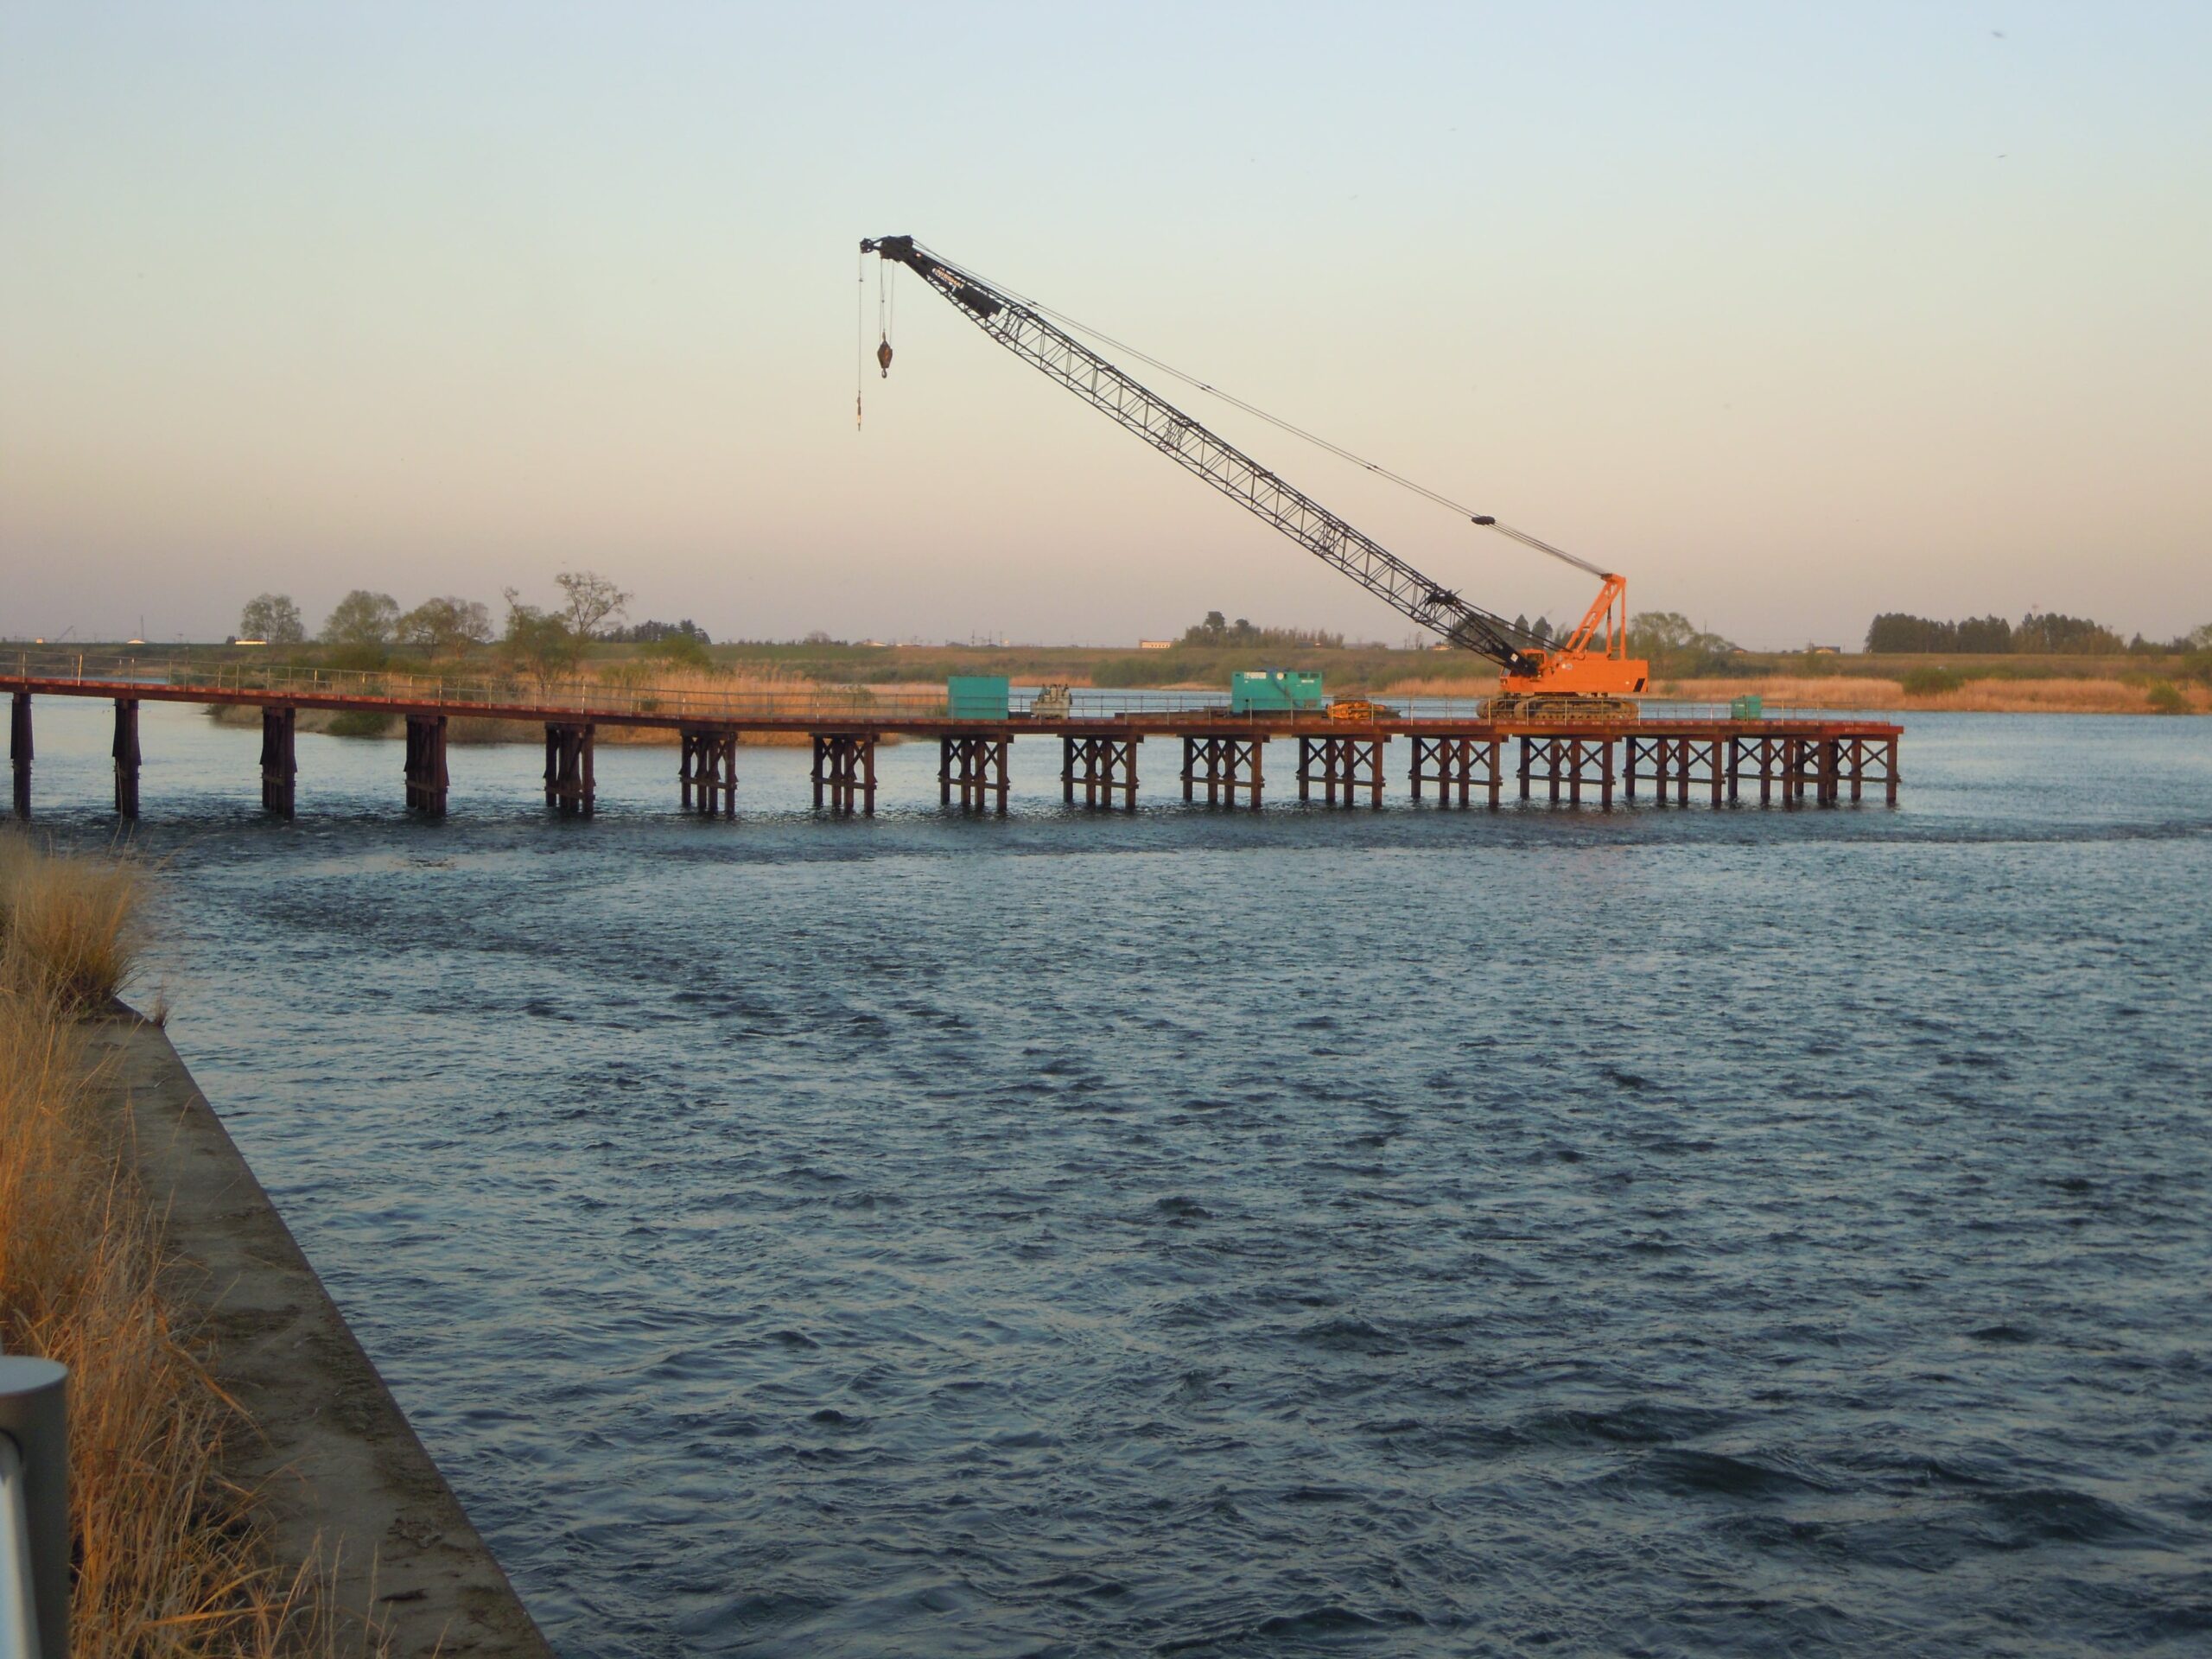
(1458, 750)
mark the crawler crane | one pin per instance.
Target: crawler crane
(1589, 674)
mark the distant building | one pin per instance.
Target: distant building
(1156, 645)
(1824, 651)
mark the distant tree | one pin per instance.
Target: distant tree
(1216, 631)
(2052, 634)
(1521, 623)
(646, 633)
(272, 617)
(541, 645)
(2201, 640)
(1542, 629)
(1900, 631)
(1986, 633)
(362, 619)
(820, 637)
(589, 602)
(680, 651)
(445, 624)
(1674, 645)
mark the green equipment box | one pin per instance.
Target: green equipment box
(1273, 691)
(1746, 709)
(975, 696)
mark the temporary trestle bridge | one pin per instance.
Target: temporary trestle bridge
(1458, 757)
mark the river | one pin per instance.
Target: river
(1414, 1232)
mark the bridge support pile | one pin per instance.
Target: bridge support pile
(1350, 763)
(708, 770)
(1093, 763)
(569, 783)
(1224, 765)
(844, 771)
(975, 767)
(124, 750)
(19, 750)
(426, 764)
(1676, 762)
(1569, 762)
(1456, 764)
(280, 767)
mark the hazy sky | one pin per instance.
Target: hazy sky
(1791, 313)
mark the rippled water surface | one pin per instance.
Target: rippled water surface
(1667, 1232)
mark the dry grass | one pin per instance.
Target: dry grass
(1431, 685)
(169, 1559)
(1996, 696)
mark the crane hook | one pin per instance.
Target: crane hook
(883, 356)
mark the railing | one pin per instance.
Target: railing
(34, 1510)
(622, 694)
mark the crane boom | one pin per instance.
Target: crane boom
(1229, 469)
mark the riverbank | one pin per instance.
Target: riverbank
(240, 1482)
(338, 1475)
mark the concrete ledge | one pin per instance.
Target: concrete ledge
(342, 1469)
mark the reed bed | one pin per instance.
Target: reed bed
(1997, 696)
(169, 1558)
(655, 680)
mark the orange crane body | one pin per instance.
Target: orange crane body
(1592, 662)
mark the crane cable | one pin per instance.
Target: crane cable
(859, 339)
(1315, 438)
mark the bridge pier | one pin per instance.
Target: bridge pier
(976, 766)
(1882, 752)
(1457, 764)
(1675, 762)
(19, 750)
(1224, 765)
(426, 764)
(280, 767)
(569, 783)
(844, 771)
(1568, 763)
(1352, 763)
(708, 770)
(124, 750)
(1100, 758)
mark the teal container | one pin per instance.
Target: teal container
(975, 696)
(1275, 691)
(1746, 709)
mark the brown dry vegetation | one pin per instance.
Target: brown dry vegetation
(2055, 696)
(654, 683)
(169, 1558)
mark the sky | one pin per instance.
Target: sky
(1790, 313)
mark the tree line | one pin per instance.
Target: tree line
(2044, 633)
(363, 627)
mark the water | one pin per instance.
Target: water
(1670, 1232)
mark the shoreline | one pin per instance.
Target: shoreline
(344, 1480)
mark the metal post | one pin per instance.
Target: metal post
(125, 753)
(19, 750)
(34, 1506)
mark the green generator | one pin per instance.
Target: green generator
(1275, 691)
(975, 696)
